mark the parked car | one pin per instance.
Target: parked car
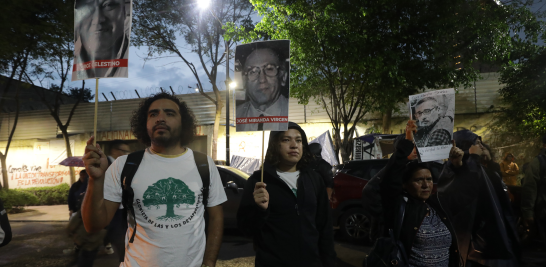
(348, 213)
(233, 181)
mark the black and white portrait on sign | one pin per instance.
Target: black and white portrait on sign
(262, 74)
(101, 38)
(434, 115)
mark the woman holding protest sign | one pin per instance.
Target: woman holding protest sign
(288, 213)
(465, 224)
(418, 223)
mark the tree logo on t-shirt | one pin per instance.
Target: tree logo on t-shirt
(169, 192)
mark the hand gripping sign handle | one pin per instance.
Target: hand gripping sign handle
(96, 108)
(263, 138)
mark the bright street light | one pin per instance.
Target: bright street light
(232, 85)
(203, 4)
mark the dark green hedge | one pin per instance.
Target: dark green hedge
(52, 195)
(15, 199)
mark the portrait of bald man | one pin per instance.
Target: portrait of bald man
(101, 38)
(265, 79)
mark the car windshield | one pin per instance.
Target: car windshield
(236, 171)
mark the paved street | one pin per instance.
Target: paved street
(42, 244)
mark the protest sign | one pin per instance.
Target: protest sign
(262, 74)
(434, 114)
(101, 39)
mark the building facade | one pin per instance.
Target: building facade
(37, 146)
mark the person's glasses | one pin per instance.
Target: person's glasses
(426, 112)
(270, 70)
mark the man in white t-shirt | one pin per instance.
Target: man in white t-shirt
(168, 191)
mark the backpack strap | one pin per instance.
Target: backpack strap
(203, 167)
(127, 174)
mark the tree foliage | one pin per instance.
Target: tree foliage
(169, 192)
(173, 27)
(85, 94)
(524, 94)
(356, 57)
(31, 32)
(54, 110)
(523, 79)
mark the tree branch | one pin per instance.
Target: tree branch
(82, 91)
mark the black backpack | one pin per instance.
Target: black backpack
(127, 174)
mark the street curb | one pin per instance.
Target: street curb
(35, 221)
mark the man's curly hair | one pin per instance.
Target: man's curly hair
(140, 119)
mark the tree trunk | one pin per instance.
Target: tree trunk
(216, 128)
(347, 143)
(68, 153)
(3, 156)
(170, 209)
(5, 180)
(341, 145)
(387, 116)
(343, 152)
(336, 143)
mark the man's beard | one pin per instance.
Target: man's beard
(164, 141)
(429, 127)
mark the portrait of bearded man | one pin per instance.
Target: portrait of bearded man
(432, 124)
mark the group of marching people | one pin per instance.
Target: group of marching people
(469, 221)
(285, 206)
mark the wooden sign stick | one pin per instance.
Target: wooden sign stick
(96, 109)
(263, 138)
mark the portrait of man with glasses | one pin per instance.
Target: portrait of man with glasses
(264, 73)
(433, 126)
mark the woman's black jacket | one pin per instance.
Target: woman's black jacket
(293, 231)
(392, 195)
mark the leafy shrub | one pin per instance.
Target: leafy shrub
(50, 195)
(15, 199)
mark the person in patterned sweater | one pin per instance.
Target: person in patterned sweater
(432, 127)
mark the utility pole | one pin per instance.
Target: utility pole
(227, 102)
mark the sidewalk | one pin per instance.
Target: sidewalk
(55, 213)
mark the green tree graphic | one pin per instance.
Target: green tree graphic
(169, 192)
